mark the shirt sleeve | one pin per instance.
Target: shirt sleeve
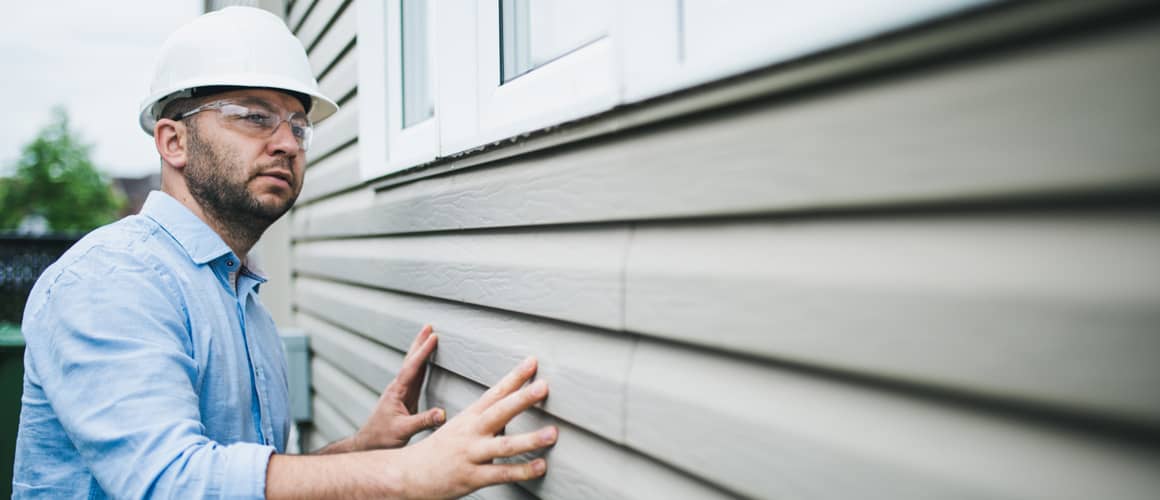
(109, 340)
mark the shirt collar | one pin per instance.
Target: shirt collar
(198, 239)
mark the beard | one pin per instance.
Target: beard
(219, 181)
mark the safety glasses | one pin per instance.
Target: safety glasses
(258, 121)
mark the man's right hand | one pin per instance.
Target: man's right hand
(453, 461)
(457, 458)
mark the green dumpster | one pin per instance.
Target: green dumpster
(11, 387)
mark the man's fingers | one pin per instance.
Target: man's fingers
(491, 474)
(510, 446)
(420, 338)
(510, 382)
(410, 377)
(429, 419)
(498, 415)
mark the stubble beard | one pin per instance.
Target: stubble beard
(210, 177)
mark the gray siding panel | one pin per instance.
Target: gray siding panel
(313, 25)
(586, 368)
(298, 13)
(571, 275)
(329, 424)
(581, 465)
(779, 434)
(353, 400)
(969, 131)
(371, 364)
(1001, 304)
(500, 492)
(338, 130)
(342, 79)
(336, 173)
(340, 34)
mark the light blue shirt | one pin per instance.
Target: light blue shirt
(147, 373)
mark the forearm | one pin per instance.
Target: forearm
(367, 474)
(345, 445)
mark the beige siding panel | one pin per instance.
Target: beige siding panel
(329, 423)
(340, 129)
(313, 25)
(340, 34)
(580, 465)
(1005, 304)
(500, 492)
(345, 202)
(571, 275)
(585, 367)
(984, 129)
(342, 79)
(354, 401)
(297, 12)
(335, 173)
(371, 364)
(778, 434)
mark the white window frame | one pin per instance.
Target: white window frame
(419, 143)
(372, 88)
(762, 33)
(587, 76)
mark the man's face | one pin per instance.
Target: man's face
(245, 178)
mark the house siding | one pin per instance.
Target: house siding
(935, 280)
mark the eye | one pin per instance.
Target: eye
(259, 119)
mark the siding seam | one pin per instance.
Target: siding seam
(623, 327)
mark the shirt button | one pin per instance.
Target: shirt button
(230, 263)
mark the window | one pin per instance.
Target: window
(416, 63)
(681, 43)
(542, 62)
(459, 75)
(533, 34)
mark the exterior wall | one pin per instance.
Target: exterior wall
(921, 267)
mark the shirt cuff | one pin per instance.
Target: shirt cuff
(245, 471)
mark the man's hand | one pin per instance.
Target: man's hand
(457, 458)
(452, 462)
(394, 421)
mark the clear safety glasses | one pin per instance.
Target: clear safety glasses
(257, 121)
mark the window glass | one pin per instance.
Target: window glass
(417, 100)
(533, 33)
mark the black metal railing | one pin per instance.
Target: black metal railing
(22, 259)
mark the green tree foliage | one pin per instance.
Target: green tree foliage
(56, 180)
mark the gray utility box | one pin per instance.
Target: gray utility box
(297, 346)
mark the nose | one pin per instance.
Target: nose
(283, 142)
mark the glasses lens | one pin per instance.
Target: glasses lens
(259, 122)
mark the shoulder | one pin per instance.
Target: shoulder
(129, 255)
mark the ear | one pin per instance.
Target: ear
(170, 139)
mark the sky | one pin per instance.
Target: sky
(95, 58)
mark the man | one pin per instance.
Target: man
(152, 370)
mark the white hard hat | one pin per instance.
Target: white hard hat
(232, 47)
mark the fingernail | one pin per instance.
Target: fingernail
(539, 388)
(528, 363)
(548, 435)
(539, 465)
(440, 416)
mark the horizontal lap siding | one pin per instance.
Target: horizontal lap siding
(773, 432)
(1001, 304)
(587, 367)
(767, 300)
(571, 275)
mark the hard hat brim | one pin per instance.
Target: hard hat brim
(321, 106)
